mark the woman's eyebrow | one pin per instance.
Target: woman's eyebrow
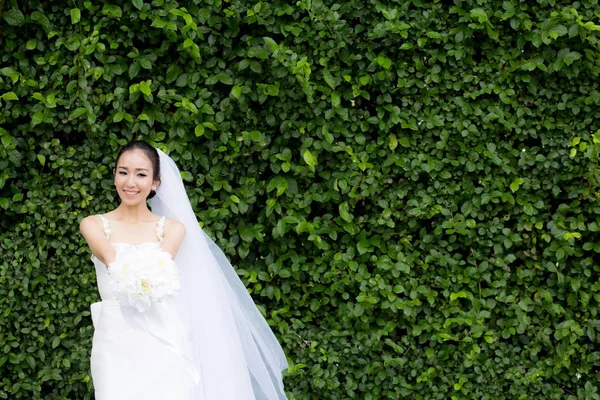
(137, 169)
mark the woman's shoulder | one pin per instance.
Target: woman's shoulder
(172, 222)
(91, 227)
(91, 220)
(173, 225)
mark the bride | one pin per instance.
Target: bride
(175, 321)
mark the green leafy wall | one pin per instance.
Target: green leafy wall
(409, 189)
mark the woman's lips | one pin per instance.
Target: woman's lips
(130, 193)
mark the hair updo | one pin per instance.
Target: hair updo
(152, 155)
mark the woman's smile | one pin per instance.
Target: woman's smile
(131, 193)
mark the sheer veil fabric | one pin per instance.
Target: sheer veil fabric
(232, 347)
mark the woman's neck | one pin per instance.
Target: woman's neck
(134, 214)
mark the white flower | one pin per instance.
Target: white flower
(143, 277)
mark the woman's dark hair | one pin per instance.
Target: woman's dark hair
(152, 155)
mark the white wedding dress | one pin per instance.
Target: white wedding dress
(139, 355)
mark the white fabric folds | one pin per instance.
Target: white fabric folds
(233, 348)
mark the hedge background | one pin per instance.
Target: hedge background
(408, 188)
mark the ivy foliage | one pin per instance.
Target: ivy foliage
(409, 189)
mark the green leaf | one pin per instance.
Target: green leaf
(243, 64)
(6, 142)
(9, 96)
(145, 63)
(11, 73)
(284, 273)
(479, 14)
(270, 42)
(37, 16)
(358, 310)
(236, 91)
(573, 152)
(363, 246)
(279, 183)
(138, 4)
(255, 67)
(403, 267)
(309, 159)
(336, 99)
(384, 61)
(199, 131)
(75, 15)
(173, 73)
(344, 210)
(329, 79)
(118, 117)
(462, 294)
(573, 30)
(145, 89)
(558, 30)
(393, 142)
(77, 112)
(516, 184)
(13, 17)
(225, 79)
(37, 118)
(177, 12)
(404, 142)
(571, 57)
(112, 11)
(134, 69)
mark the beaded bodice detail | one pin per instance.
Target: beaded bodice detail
(160, 226)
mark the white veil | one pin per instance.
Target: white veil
(231, 345)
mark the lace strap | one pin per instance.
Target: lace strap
(106, 224)
(160, 226)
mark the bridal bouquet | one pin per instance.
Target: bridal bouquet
(142, 278)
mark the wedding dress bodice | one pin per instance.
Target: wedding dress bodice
(103, 273)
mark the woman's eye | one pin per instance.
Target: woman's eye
(125, 173)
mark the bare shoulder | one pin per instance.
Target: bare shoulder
(92, 230)
(90, 222)
(174, 228)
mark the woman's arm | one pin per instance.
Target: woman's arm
(173, 235)
(93, 232)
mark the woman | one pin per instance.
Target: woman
(205, 340)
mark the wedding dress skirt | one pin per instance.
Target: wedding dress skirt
(139, 355)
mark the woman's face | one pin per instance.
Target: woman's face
(133, 177)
